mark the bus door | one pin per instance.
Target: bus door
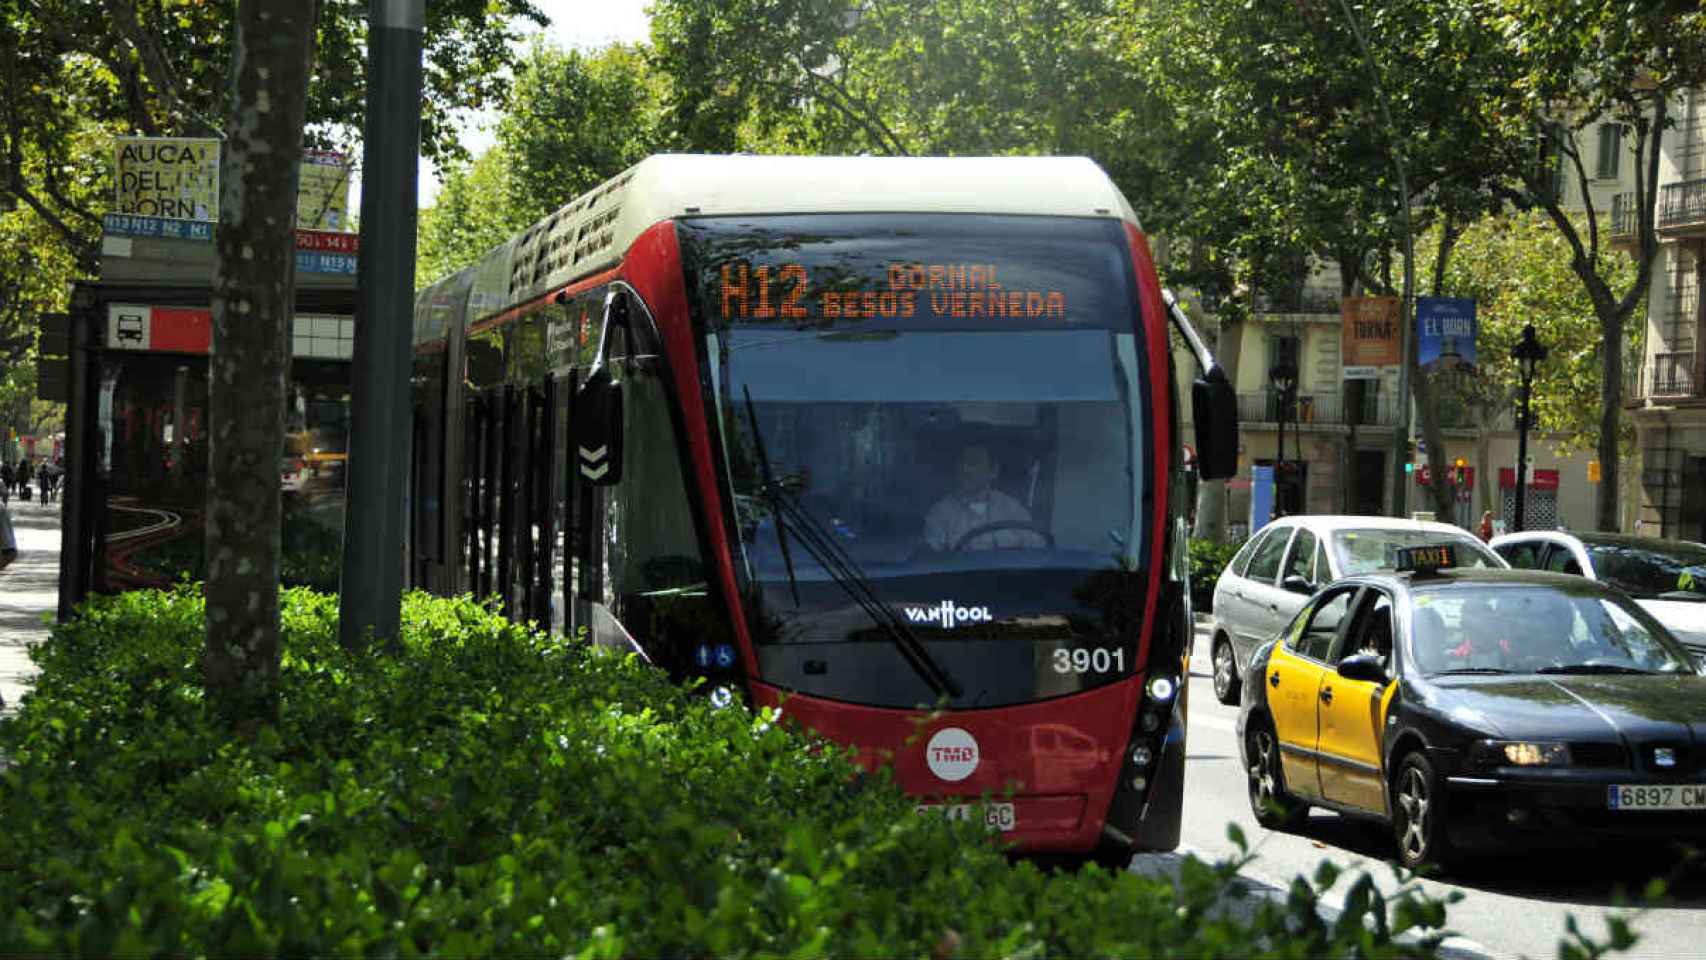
(509, 412)
(542, 406)
(481, 493)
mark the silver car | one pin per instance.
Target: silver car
(1283, 565)
(1667, 577)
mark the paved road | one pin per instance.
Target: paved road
(1512, 907)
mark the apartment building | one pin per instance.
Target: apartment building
(1666, 398)
(1339, 433)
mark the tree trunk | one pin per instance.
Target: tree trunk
(1212, 494)
(1610, 419)
(254, 279)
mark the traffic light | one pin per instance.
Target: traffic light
(1462, 472)
(1409, 456)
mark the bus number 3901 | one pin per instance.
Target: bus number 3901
(1083, 660)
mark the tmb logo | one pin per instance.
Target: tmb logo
(947, 615)
(952, 754)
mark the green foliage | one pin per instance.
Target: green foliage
(1208, 559)
(572, 121)
(1517, 269)
(495, 791)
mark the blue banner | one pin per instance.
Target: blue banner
(1261, 497)
(1445, 331)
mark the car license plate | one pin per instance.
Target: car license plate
(1668, 796)
(996, 816)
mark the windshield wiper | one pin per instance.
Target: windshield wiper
(769, 483)
(1470, 671)
(1593, 668)
(841, 568)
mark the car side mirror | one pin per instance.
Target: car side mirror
(1297, 584)
(1214, 407)
(1363, 666)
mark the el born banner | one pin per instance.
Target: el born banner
(172, 177)
(1369, 343)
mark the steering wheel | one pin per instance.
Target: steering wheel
(975, 532)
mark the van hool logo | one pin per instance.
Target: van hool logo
(947, 614)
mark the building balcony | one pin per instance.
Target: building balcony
(1625, 223)
(1317, 408)
(1305, 302)
(1671, 376)
(1682, 209)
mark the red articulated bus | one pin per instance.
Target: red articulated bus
(891, 440)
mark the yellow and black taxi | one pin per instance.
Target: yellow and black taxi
(1472, 709)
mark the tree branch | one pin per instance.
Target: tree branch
(81, 247)
(159, 71)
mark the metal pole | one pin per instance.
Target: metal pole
(1279, 462)
(1522, 454)
(378, 457)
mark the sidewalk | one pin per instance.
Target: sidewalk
(29, 588)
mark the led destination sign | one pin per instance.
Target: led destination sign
(958, 290)
(911, 272)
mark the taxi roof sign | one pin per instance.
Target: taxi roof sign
(1426, 559)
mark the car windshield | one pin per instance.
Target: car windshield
(1670, 571)
(1365, 550)
(1537, 628)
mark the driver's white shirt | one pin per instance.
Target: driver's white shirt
(956, 515)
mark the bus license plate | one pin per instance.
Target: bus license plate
(996, 816)
(1676, 796)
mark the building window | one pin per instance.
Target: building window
(1610, 151)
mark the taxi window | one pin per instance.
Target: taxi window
(1323, 570)
(1535, 629)
(1302, 559)
(1522, 556)
(1264, 563)
(1319, 625)
(1372, 632)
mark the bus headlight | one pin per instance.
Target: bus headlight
(1151, 722)
(1161, 689)
(1141, 755)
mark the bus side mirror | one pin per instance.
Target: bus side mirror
(597, 429)
(1214, 407)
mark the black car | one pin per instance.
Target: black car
(1471, 709)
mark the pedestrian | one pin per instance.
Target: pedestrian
(1486, 530)
(5, 482)
(8, 539)
(23, 475)
(44, 481)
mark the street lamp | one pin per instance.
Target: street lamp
(1528, 353)
(1282, 377)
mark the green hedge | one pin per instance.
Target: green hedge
(1208, 559)
(490, 790)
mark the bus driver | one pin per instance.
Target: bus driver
(975, 503)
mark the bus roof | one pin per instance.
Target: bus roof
(591, 232)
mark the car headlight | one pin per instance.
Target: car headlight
(1523, 753)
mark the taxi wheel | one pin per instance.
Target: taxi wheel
(1226, 682)
(1418, 814)
(1273, 807)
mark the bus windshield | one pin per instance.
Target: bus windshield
(979, 469)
